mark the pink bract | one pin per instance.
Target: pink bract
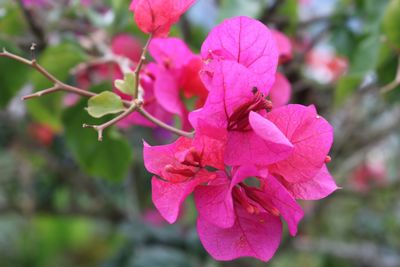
(281, 91)
(312, 137)
(248, 42)
(157, 16)
(238, 220)
(284, 46)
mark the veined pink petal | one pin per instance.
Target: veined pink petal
(266, 145)
(156, 158)
(248, 42)
(211, 141)
(281, 91)
(230, 86)
(168, 197)
(157, 16)
(320, 186)
(252, 235)
(214, 202)
(281, 199)
(312, 137)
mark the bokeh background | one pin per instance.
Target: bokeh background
(68, 200)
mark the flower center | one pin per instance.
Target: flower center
(253, 199)
(190, 163)
(239, 120)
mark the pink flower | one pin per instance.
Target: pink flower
(248, 42)
(157, 16)
(240, 135)
(284, 47)
(367, 175)
(127, 46)
(176, 70)
(281, 91)
(326, 66)
(236, 106)
(181, 167)
(237, 220)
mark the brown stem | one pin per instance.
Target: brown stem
(156, 121)
(60, 86)
(140, 65)
(100, 128)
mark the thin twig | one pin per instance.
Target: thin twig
(60, 86)
(100, 128)
(140, 65)
(156, 121)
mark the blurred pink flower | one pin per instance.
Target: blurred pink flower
(157, 16)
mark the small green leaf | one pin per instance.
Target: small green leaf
(104, 103)
(58, 60)
(391, 25)
(127, 85)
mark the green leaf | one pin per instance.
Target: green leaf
(391, 22)
(104, 103)
(366, 55)
(109, 159)
(58, 60)
(346, 85)
(127, 85)
(12, 76)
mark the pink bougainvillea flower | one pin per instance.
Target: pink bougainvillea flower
(237, 220)
(367, 175)
(325, 66)
(180, 167)
(157, 16)
(281, 91)
(248, 42)
(176, 70)
(232, 106)
(311, 136)
(127, 46)
(284, 46)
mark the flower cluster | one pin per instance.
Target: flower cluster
(252, 155)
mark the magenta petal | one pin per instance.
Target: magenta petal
(248, 42)
(230, 85)
(265, 145)
(211, 141)
(320, 186)
(281, 91)
(252, 235)
(166, 91)
(281, 199)
(170, 52)
(312, 137)
(157, 157)
(168, 197)
(214, 202)
(284, 46)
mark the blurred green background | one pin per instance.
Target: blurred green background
(68, 200)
